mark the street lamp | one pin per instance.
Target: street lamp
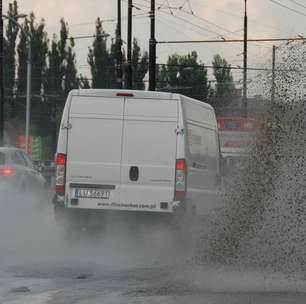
(29, 72)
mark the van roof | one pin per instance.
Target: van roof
(137, 94)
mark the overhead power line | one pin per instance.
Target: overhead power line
(298, 3)
(201, 66)
(191, 13)
(138, 5)
(180, 8)
(207, 21)
(232, 40)
(88, 36)
(145, 15)
(107, 20)
(196, 25)
(226, 67)
(288, 8)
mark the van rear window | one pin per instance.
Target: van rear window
(2, 158)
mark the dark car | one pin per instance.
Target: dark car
(18, 174)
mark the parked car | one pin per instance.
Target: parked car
(136, 151)
(18, 174)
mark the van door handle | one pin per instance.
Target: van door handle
(134, 174)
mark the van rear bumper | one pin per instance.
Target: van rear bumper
(100, 205)
(172, 207)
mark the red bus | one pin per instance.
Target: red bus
(236, 134)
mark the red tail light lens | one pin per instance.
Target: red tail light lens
(181, 164)
(61, 160)
(7, 172)
(180, 179)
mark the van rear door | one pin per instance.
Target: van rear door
(148, 154)
(94, 151)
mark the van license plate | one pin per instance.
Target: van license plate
(92, 193)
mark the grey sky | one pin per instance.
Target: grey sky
(265, 20)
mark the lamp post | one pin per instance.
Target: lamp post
(245, 63)
(29, 76)
(2, 85)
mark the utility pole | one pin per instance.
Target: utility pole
(129, 47)
(245, 63)
(273, 76)
(1, 80)
(119, 48)
(28, 101)
(152, 50)
(29, 78)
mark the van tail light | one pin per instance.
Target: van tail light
(180, 179)
(61, 160)
(7, 172)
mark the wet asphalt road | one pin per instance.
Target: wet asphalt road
(77, 284)
(38, 265)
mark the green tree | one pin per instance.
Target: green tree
(225, 93)
(139, 66)
(22, 58)
(10, 49)
(185, 75)
(70, 80)
(39, 45)
(99, 59)
(61, 75)
(53, 74)
(68, 68)
(112, 65)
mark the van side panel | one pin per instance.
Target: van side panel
(202, 154)
(63, 132)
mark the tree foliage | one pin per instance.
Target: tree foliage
(225, 93)
(61, 75)
(10, 48)
(184, 74)
(99, 59)
(39, 46)
(139, 66)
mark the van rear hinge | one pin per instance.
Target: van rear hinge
(66, 126)
(179, 130)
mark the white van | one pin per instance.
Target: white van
(136, 151)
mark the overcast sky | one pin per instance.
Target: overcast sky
(266, 19)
